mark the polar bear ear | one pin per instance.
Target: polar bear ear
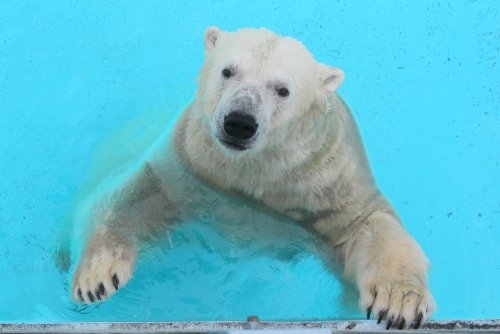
(211, 36)
(331, 78)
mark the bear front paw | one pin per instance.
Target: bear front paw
(403, 304)
(100, 274)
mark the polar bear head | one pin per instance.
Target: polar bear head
(254, 82)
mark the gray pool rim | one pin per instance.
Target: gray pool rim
(233, 327)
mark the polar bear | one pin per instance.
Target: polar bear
(267, 124)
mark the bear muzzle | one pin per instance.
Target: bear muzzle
(239, 129)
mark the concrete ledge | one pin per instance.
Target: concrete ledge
(234, 327)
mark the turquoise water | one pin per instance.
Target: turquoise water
(84, 85)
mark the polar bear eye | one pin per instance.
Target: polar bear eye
(283, 92)
(226, 73)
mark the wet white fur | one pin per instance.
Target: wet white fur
(308, 163)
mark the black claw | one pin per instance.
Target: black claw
(91, 296)
(79, 292)
(381, 316)
(402, 323)
(419, 320)
(98, 294)
(368, 312)
(102, 289)
(389, 323)
(116, 281)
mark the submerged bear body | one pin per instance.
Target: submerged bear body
(267, 124)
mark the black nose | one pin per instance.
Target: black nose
(239, 125)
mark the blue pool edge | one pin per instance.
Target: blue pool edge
(233, 327)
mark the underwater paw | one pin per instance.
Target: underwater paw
(402, 304)
(99, 276)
